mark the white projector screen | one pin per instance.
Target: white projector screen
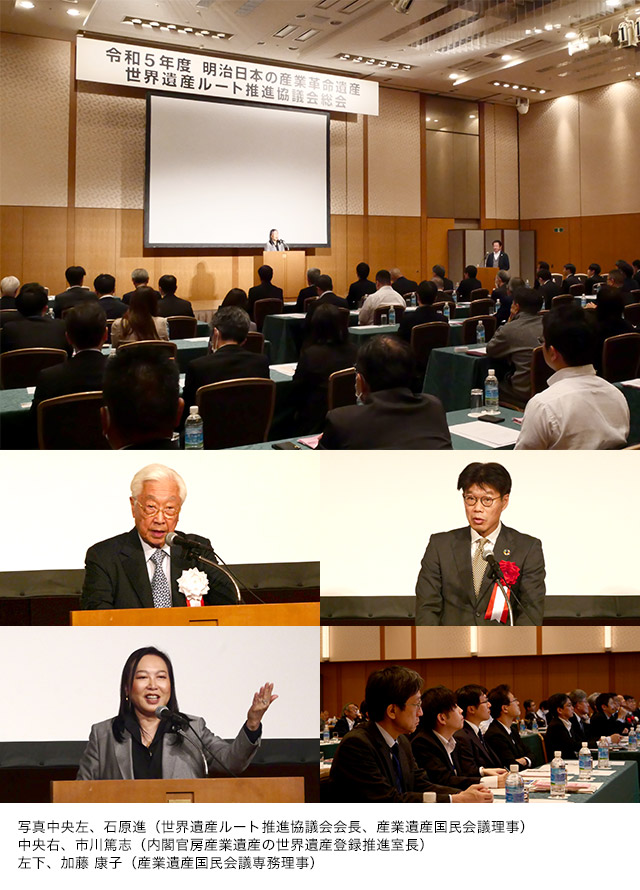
(217, 670)
(222, 174)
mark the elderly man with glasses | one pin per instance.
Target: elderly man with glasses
(458, 580)
(140, 569)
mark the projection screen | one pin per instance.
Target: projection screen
(222, 174)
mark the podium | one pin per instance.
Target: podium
(289, 270)
(487, 277)
(282, 614)
(280, 789)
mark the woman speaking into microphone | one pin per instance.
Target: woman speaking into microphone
(151, 739)
(275, 242)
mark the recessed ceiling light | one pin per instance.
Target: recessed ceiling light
(548, 27)
(136, 21)
(571, 35)
(428, 118)
(73, 12)
(524, 88)
(537, 30)
(507, 85)
(506, 58)
(542, 92)
(454, 76)
(435, 120)
(26, 4)
(495, 83)
(613, 3)
(528, 31)
(472, 116)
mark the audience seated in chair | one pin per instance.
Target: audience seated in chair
(34, 327)
(263, 291)
(77, 292)
(139, 278)
(9, 287)
(385, 295)
(359, 290)
(424, 314)
(169, 304)
(515, 341)
(141, 321)
(310, 290)
(105, 286)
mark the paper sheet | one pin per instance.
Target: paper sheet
(635, 383)
(31, 390)
(196, 340)
(477, 350)
(289, 369)
(491, 434)
(295, 315)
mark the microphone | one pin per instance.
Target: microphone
(487, 555)
(164, 713)
(189, 544)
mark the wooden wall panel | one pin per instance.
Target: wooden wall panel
(95, 244)
(11, 241)
(437, 250)
(586, 239)
(45, 246)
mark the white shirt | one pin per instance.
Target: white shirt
(492, 538)
(384, 296)
(151, 566)
(578, 410)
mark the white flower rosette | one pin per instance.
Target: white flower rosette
(194, 584)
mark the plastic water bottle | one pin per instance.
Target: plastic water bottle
(193, 429)
(480, 334)
(583, 300)
(603, 753)
(514, 786)
(496, 308)
(558, 776)
(446, 311)
(326, 735)
(491, 395)
(633, 739)
(392, 315)
(523, 726)
(534, 725)
(585, 762)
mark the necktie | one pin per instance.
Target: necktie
(159, 585)
(395, 757)
(478, 566)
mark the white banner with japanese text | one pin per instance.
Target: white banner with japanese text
(152, 68)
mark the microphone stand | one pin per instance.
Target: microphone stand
(193, 547)
(215, 565)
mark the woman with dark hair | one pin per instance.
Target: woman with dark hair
(275, 242)
(326, 350)
(237, 297)
(140, 321)
(147, 738)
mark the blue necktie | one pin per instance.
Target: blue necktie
(395, 757)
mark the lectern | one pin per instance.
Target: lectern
(279, 789)
(282, 614)
(289, 270)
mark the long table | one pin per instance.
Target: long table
(620, 787)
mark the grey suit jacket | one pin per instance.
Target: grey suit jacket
(105, 758)
(444, 590)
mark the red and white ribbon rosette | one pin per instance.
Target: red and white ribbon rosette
(194, 584)
(497, 610)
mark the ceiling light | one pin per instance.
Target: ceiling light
(205, 33)
(155, 24)
(507, 85)
(542, 92)
(548, 27)
(613, 3)
(382, 64)
(557, 27)
(537, 30)
(428, 118)
(73, 12)
(220, 34)
(172, 27)
(370, 61)
(454, 76)
(435, 120)
(571, 35)
(188, 30)
(524, 88)
(495, 83)
(26, 4)
(407, 67)
(528, 31)
(395, 64)
(472, 117)
(506, 58)
(136, 21)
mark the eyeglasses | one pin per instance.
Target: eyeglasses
(471, 500)
(541, 341)
(149, 509)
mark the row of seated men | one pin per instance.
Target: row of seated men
(446, 747)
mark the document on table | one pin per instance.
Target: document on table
(296, 315)
(490, 434)
(477, 350)
(635, 383)
(288, 369)
(196, 340)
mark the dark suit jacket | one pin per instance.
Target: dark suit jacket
(404, 286)
(503, 260)
(362, 770)
(507, 746)
(116, 575)
(311, 382)
(581, 731)
(38, 330)
(465, 287)
(590, 282)
(71, 297)
(444, 590)
(390, 419)
(113, 307)
(327, 297)
(262, 291)
(431, 756)
(172, 305)
(549, 290)
(473, 753)
(358, 291)
(304, 294)
(557, 738)
(422, 315)
(601, 725)
(126, 298)
(568, 281)
(447, 284)
(7, 302)
(231, 362)
(342, 727)
(82, 373)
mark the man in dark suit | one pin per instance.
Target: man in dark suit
(310, 291)
(374, 763)
(76, 293)
(474, 756)
(169, 304)
(503, 312)
(34, 328)
(548, 287)
(570, 277)
(141, 395)
(139, 278)
(559, 736)
(104, 285)
(497, 258)
(440, 272)
(391, 416)
(360, 289)
(139, 569)
(580, 723)
(229, 359)
(603, 721)
(500, 290)
(9, 287)
(348, 720)
(425, 312)
(86, 326)
(455, 584)
(593, 278)
(402, 285)
(325, 294)
(435, 746)
(263, 291)
(502, 734)
(468, 284)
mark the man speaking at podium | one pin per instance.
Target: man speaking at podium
(456, 585)
(140, 569)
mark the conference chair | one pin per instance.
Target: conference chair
(480, 293)
(110, 322)
(345, 319)
(7, 315)
(20, 367)
(484, 306)
(621, 357)
(254, 342)
(424, 338)
(446, 293)
(563, 299)
(236, 412)
(308, 301)
(632, 313)
(557, 277)
(576, 290)
(439, 307)
(469, 326)
(72, 422)
(379, 311)
(540, 371)
(582, 276)
(341, 389)
(168, 345)
(268, 306)
(633, 296)
(182, 326)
